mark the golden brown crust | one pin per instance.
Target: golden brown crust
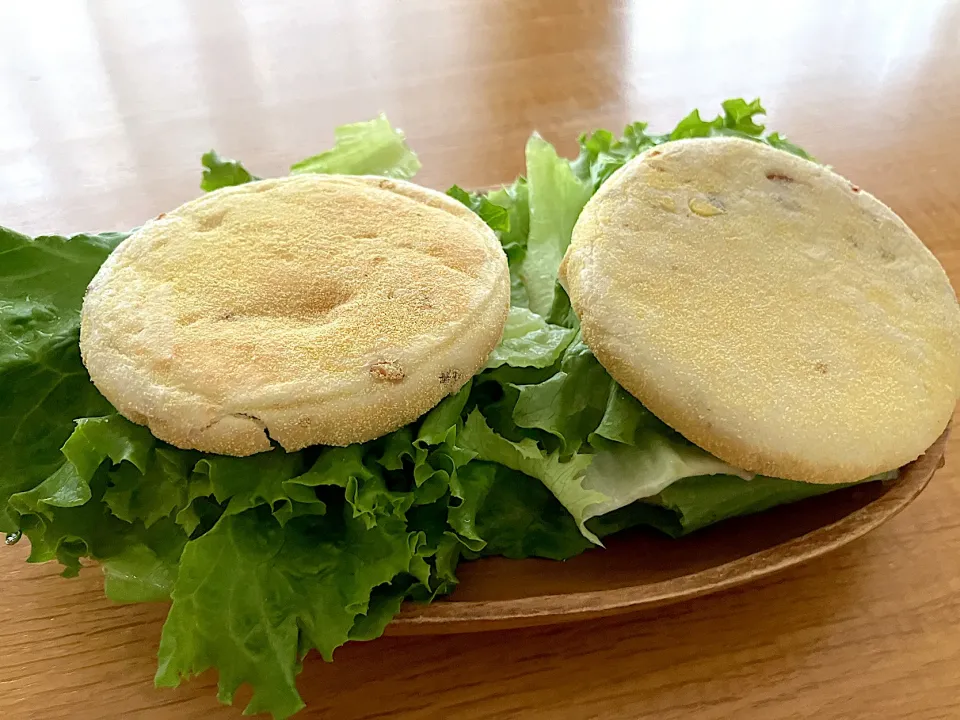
(310, 310)
(768, 309)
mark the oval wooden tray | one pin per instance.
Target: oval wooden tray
(640, 569)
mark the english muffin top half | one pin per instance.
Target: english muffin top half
(767, 309)
(306, 310)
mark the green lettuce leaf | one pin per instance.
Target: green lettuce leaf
(515, 199)
(67, 518)
(287, 589)
(656, 460)
(244, 483)
(365, 148)
(492, 214)
(556, 197)
(781, 143)
(593, 484)
(529, 341)
(385, 602)
(145, 571)
(563, 478)
(518, 516)
(310, 547)
(697, 502)
(220, 172)
(602, 154)
(43, 382)
(571, 404)
(157, 492)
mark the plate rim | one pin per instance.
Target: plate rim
(475, 616)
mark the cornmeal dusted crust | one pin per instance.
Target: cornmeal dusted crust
(768, 309)
(309, 310)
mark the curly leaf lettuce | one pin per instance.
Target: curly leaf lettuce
(571, 403)
(491, 213)
(602, 153)
(286, 538)
(563, 478)
(365, 148)
(285, 590)
(518, 516)
(556, 197)
(220, 172)
(529, 341)
(651, 464)
(43, 382)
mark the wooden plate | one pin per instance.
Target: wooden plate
(640, 569)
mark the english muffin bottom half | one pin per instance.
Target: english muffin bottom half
(767, 309)
(314, 309)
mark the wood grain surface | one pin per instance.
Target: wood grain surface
(105, 108)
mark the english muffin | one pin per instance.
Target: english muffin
(768, 309)
(313, 309)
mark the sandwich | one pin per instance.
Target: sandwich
(293, 404)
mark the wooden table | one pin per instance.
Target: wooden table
(105, 108)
